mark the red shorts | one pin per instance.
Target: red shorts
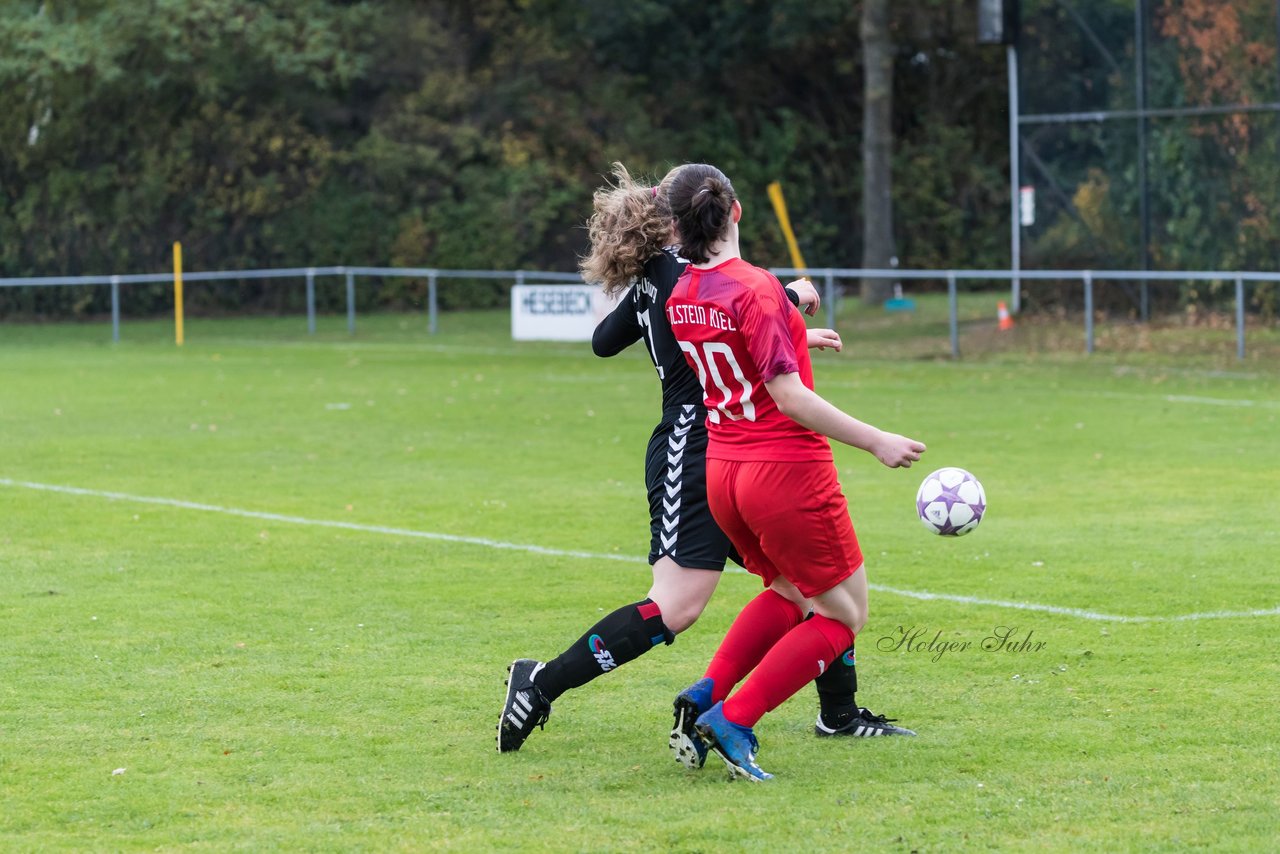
(786, 518)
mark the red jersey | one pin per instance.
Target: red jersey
(738, 330)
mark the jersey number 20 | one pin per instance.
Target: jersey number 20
(735, 403)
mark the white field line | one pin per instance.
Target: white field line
(1184, 398)
(1073, 612)
(1213, 401)
(317, 523)
(1119, 395)
(534, 549)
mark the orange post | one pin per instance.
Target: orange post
(177, 292)
(780, 211)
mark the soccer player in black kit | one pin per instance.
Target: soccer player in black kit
(631, 236)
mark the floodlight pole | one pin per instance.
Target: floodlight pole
(1015, 181)
(1144, 208)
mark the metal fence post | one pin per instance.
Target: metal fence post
(351, 302)
(1239, 317)
(954, 311)
(829, 296)
(432, 325)
(311, 301)
(115, 309)
(1088, 311)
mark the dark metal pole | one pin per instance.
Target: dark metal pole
(829, 295)
(432, 324)
(1239, 318)
(311, 302)
(1088, 311)
(1144, 191)
(351, 303)
(1015, 179)
(115, 309)
(954, 311)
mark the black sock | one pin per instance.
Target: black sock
(836, 688)
(622, 636)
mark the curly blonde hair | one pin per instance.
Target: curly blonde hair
(631, 223)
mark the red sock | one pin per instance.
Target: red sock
(759, 625)
(797, 659)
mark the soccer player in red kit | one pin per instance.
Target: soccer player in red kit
(632, 257)
(771, 479)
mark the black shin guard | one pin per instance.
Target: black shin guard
(622, 636)
(836, 688)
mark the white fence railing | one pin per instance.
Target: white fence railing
(827, 275)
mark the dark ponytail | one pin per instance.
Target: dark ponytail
(701, 200)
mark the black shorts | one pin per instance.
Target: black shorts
(675, 472)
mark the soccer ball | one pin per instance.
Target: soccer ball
(951, 502)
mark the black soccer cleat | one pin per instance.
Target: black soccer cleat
(865, 724)
(525, 707)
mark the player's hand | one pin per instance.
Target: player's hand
(808, 294)
(821, 339)
(897, 451)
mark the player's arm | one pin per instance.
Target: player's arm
(803, 295)
(821, 339)
(807, 408)
(619, 329)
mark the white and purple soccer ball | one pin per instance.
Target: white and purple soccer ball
(951, 502)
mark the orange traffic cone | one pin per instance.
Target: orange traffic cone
(1006, 320)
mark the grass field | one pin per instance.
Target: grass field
(259, 593)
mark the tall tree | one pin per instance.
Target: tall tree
(469, 133)
(877, 146)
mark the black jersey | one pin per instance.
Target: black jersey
(680, 522)
(641, 315)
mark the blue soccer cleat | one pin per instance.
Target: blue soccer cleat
(685, 743)
(735, 745)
